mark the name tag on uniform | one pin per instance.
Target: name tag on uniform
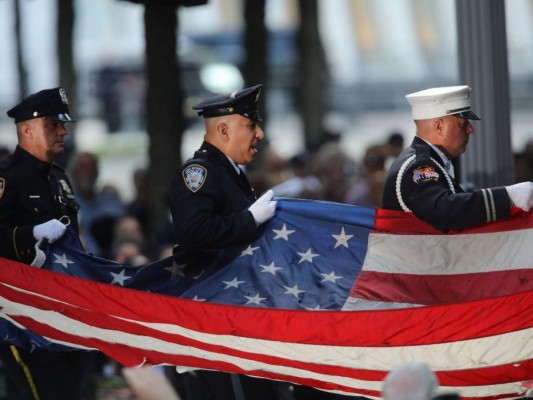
(34, 196)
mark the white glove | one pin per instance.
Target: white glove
(264, 208)
(51, 230)
(521, 195)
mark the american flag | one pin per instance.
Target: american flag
(331, 296)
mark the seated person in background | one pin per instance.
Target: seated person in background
(97, 204)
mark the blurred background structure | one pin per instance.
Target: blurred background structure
(334, 71)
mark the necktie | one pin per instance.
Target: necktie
(243, 177)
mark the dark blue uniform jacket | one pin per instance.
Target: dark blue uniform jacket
(433, 196)
(209, 202)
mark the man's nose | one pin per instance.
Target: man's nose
(259, 133)
(61, 130)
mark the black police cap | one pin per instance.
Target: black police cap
(49, 103)
(243, 102)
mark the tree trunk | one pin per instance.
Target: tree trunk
(165, 120)
(312, 73)
(67, 73)
(255, 69)
(23, 74)
(65, 29)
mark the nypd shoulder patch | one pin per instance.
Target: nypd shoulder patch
(194, 177)
(2, 186)
(425, 173)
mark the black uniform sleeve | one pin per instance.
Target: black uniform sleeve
(427, 192)
(16, 241)
(213, 217)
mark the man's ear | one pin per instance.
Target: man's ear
(25, 129)
(223, 131)
(439, 125)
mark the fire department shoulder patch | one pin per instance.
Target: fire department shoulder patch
(194, 176)
(425, 173)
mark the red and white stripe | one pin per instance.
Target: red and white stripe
(482, 349)
(409, 263)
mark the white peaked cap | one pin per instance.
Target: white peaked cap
(441, 101)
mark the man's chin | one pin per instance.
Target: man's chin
(56, 152)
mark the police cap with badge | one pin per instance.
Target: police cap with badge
(243, 102)
(441, 101)
(48, 103)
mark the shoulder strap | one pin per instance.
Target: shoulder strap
(199, 156)
(7, 162)
(422, 150)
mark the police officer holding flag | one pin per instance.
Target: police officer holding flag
(213, 207)
(35, 194)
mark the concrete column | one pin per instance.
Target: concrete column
(483, 65)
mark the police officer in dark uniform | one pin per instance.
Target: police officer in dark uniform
(213, 207)
(422, 180)
(36, 203)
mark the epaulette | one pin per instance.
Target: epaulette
(422, 151)
(199, 157)
(7, 162)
